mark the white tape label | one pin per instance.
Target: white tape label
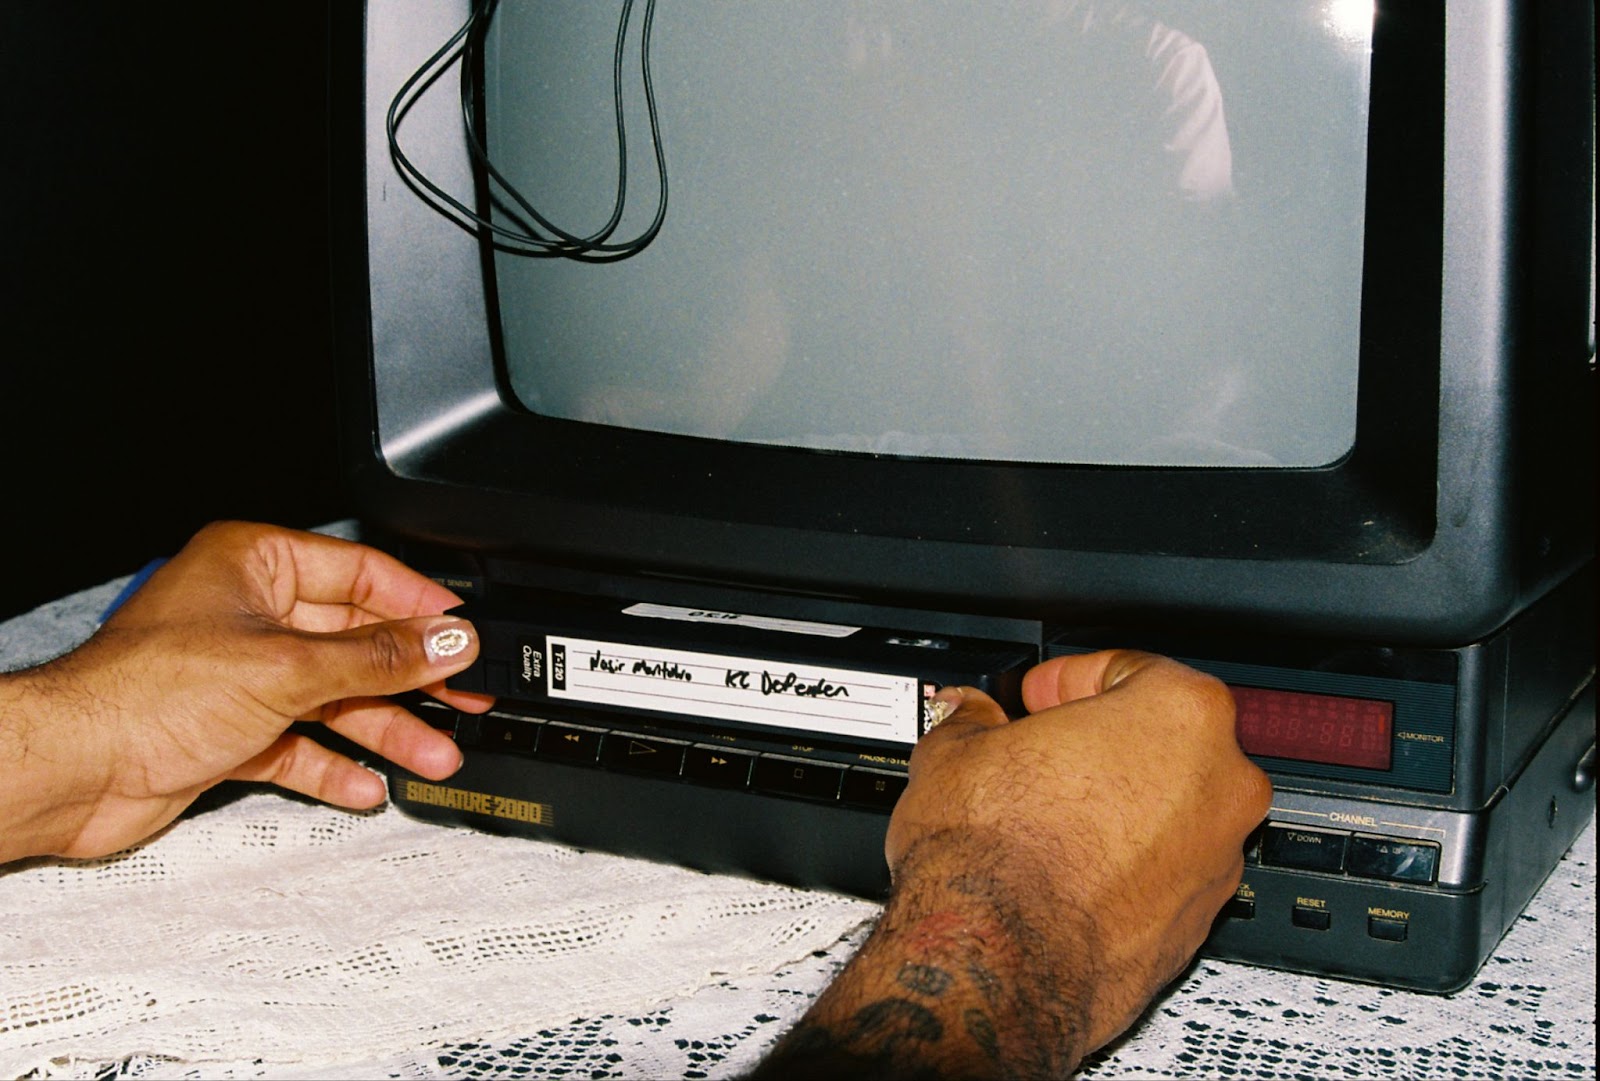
(801, 696)
(739, 619)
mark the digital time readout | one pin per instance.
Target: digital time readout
(1322, 728)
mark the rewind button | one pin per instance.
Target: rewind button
(570, 742)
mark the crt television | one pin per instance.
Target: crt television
(801, 344)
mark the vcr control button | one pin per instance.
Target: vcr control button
(1239, 908)
(1398, 861)
(437, 715)
(872, 788)
(1312, 919)
(1303, 849)
(1386, 928)
(570, 743)
(642, 754)
(502, 733)
(717, 766)
(796, 777)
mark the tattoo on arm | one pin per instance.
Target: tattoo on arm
(954, 981)
(981, 1029)
(923, 979)
(878, 1040)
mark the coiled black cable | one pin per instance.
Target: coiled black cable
(530, 233)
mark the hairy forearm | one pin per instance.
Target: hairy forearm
(956, 980)
(42, 791)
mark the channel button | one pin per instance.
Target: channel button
(1396, 861)
(1304, 849)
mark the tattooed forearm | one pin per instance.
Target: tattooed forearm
(879, 1040)
(951, 983)
(1049, 880)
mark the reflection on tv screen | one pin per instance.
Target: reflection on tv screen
(1048, 230)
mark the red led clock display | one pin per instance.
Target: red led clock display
(1315, 727)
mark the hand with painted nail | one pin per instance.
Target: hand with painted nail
(1050, 875)
(200, 675)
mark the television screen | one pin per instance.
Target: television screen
(1040, 231)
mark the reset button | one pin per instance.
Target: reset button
(1312, 919)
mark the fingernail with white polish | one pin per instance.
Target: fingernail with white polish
(447, 641)
(936, 710)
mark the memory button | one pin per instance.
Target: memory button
(1387, 928)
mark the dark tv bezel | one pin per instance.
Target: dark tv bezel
(1409, 538)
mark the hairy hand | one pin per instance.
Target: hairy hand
(1051, 874)
(199, 676)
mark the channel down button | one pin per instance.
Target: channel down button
(1303, 848)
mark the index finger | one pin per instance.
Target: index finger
(331, 575)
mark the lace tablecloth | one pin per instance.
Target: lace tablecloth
(264, 936)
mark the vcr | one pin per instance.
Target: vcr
(1422, 795)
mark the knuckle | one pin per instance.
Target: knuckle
(291, 765)
(389, 730)
(1213, 696)
(277, 668)
(387, 652)
(227, 534)
(1256, 791)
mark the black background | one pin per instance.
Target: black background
(166, 355)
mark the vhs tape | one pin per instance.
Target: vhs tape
(819, 683)
(726, 741)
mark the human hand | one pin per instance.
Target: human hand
(198, 677)
(1051, 874)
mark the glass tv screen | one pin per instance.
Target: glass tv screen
(1045, 231)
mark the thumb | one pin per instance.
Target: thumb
(1075, 676)
(379, 659)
